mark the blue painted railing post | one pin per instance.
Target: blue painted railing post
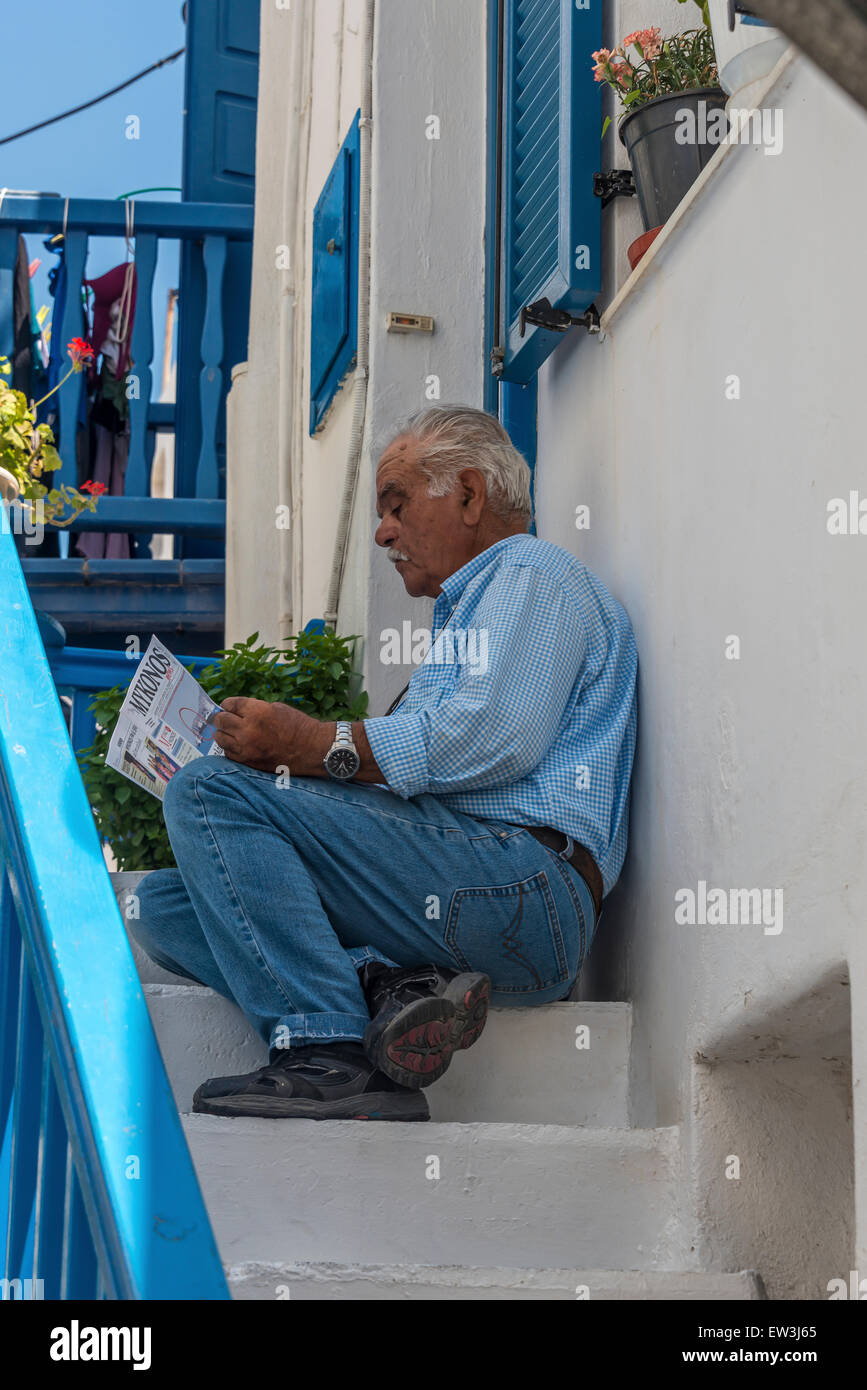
(141, 442)
(210, 379)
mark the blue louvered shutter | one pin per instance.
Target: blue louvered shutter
(334, 284)
(552, 120)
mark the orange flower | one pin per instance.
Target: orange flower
(80, 352)
(647, 41)
(602, 59)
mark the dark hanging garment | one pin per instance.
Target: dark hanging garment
(22, 357)
(114, 295)
(108, 422)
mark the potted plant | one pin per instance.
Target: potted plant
(668, 87)
(314, 672)
(747, 47)
(27, 450)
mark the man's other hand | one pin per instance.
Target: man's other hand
(269, 735)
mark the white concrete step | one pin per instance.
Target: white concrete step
(201, 1034)
(526, 1196)
(364, 1283)
(125, 885)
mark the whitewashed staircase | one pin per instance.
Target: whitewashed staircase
(527, 1183)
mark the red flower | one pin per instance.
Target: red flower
(81, 352)
(95, 489)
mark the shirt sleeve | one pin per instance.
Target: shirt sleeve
(496, 723)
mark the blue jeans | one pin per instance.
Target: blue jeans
(281, 892)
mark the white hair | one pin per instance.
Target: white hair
(455, 437)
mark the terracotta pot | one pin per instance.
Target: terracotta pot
(640, 245)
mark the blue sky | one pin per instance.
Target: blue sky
(56, 54)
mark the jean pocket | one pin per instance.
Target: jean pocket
(512, 933)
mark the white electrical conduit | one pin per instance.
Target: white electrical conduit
(288, 599)
(359, 403)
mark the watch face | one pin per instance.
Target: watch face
(343, 762)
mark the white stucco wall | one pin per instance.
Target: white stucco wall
(309, 91)
(708, 519)
(429, 60)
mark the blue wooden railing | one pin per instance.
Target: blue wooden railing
(98, 1195)
(197, 419)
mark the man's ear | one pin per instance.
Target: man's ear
(474, 495)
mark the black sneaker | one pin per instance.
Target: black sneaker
(420, 1017)
(319, 1081)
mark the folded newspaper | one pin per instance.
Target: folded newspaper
(165, 721)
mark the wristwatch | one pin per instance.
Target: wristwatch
(342, 760)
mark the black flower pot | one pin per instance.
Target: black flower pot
(664, 168)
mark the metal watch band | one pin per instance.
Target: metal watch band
(343, 744)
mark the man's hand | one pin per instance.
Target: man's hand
(268, 735)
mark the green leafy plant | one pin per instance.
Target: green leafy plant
(645, 65)
(27, 450)
(314, 673)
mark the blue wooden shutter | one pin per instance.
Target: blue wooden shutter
(551, 147)
(334, 291)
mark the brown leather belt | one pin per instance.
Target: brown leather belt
(580, 858)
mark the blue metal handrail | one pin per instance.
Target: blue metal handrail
(102, 1199)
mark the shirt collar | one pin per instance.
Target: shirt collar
(454, 586)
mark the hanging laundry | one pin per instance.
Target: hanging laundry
(114, 295)
(113, 308)
(22, 351)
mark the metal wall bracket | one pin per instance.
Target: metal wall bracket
(541, 315)
(614, 183)
(736, 8)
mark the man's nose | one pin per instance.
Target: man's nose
(385, 533)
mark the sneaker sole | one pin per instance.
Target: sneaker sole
(379, 1105)
(416, 1046)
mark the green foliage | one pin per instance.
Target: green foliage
(27, 452)
(646, 65)
(314, 673)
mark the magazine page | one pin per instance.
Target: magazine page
(148, 755)
(163, 690)
(165, 721)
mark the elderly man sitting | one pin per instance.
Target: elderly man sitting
(419, 864)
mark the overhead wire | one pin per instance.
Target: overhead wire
(94, 101)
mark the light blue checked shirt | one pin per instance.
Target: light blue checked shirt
(524, 709)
